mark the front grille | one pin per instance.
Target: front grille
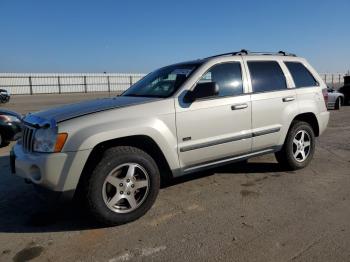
(28, 138)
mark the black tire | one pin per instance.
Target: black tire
(93, 185)
(3, 142)
(338, 103)
(243, 162)
(285, 156)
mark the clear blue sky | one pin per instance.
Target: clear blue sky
(138, 36)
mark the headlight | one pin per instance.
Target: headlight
(9, 118)
(47, 140)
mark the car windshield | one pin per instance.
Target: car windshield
(163, 82)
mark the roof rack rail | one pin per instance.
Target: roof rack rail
(246, 52)
(285, 53)
(231, 53)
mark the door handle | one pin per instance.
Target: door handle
(288, 99)
(239, 106)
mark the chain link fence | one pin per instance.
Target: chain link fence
(334, 80)
(30, 84)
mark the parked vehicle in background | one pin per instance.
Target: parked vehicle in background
(335, 99)
(4, 96)
(10, 126)
(345, 90)
(179, 119)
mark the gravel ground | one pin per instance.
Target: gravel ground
(240, 212)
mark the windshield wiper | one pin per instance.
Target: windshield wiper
(137, 95)
(131, 95)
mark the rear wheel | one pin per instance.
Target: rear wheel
(123, 186)
(337, 105)
(299, 146)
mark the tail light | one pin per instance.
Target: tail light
(325, 96)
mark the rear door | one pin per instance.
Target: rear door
(273, 102)
(307, 88)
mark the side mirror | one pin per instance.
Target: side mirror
(203, 90)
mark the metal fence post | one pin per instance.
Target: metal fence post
(30, 85)
(59, 84)
(85, 86)
(109, 84)
(332, 80)
(130, 80)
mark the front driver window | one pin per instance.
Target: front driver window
(228, 76)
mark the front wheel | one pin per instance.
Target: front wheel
(123, 186)
(3, 142)
(299, 146)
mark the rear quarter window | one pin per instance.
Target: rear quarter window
(301, 75)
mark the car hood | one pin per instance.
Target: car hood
(70, 111)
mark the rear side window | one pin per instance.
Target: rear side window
(266, 76)
(301, 76)
(228, 76)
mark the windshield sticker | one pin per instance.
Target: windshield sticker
(184, 71)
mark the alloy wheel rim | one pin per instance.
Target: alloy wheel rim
(125, 188)
(301, 146)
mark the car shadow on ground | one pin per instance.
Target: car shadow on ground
(235, 168)
(22, 211)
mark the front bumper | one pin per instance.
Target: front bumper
(58, 172)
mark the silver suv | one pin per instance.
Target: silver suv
(179, 119)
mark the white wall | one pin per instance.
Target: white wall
(42, 83)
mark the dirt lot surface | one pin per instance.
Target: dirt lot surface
(241, 212)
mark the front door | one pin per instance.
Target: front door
(215, 128)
